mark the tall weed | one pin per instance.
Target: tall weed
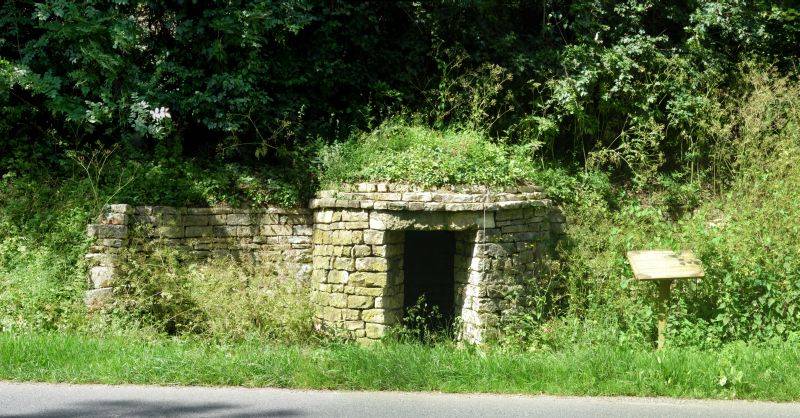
(162, 290)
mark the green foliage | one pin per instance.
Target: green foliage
(740, 371)
(399, 152)
(625, 85)
(42, 243)
(629, 113)
(424, 323)
(746, 239)
(223, 299)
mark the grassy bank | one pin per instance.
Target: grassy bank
(736, 371)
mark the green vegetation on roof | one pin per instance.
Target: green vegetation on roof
(401, 152)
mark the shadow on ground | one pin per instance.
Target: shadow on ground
(154, 409)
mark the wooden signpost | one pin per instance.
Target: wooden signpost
(664, 266)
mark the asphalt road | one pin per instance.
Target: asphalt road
(48, 400)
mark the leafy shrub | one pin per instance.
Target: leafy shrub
(42, 243)
(399, 152)
(424, 323)
(746, 239)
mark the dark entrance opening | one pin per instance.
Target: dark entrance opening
(428, 272)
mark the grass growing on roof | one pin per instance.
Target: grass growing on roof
(400, 152)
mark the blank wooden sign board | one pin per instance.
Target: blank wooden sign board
(664, 266)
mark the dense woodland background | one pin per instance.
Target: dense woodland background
(655, 124)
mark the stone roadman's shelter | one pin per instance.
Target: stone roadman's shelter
(371, 249)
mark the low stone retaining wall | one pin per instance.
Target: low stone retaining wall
(267, 235)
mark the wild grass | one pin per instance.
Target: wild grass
(221, 298)
(411, 153)
(736, 371)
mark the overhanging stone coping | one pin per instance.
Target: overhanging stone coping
(403, 197)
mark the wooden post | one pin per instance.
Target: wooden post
(664, 291)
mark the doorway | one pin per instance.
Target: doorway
(428, 270)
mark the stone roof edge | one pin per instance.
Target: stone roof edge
(189, 210)
(451, 188)
(383, 196)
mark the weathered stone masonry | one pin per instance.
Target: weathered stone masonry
(351, 245)
(358, 251)
(273, 235)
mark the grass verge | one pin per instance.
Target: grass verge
(737, 371)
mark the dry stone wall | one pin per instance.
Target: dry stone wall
(273, 235)
(359, 241)
(351, 243)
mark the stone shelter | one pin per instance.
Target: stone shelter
(371, 250)
(378, 247)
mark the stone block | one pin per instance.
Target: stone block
(294, 239)
(363, 291)
(397, 205)
(331, 314)
(355, 225)
(353, 325)
(113, 218)
(198, 231)
(375, 331)
(520, 228)
(366, 187)
(323, 216)
(417, 196)
(272, 230)
(344, 263)
(112, 243)
(377, 264)
(337, 300)
(321, 262)
(237, 219)
(381, 316)
(195, 220)
(355, 216)
(98, 298)
(338, 276)
(368, 279)
(362, 250)
(107, 231)
(304, 230)
(101, 276)
(457, 198)
(351, 314)
(461, 207)
(360, 302)
(224, 231)
(374, 237)
(390, 196)
(296, 219)
(506, 215)
(345, 237)
(376, 222)
(245, 231)
(119, 208)
(169, 232)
